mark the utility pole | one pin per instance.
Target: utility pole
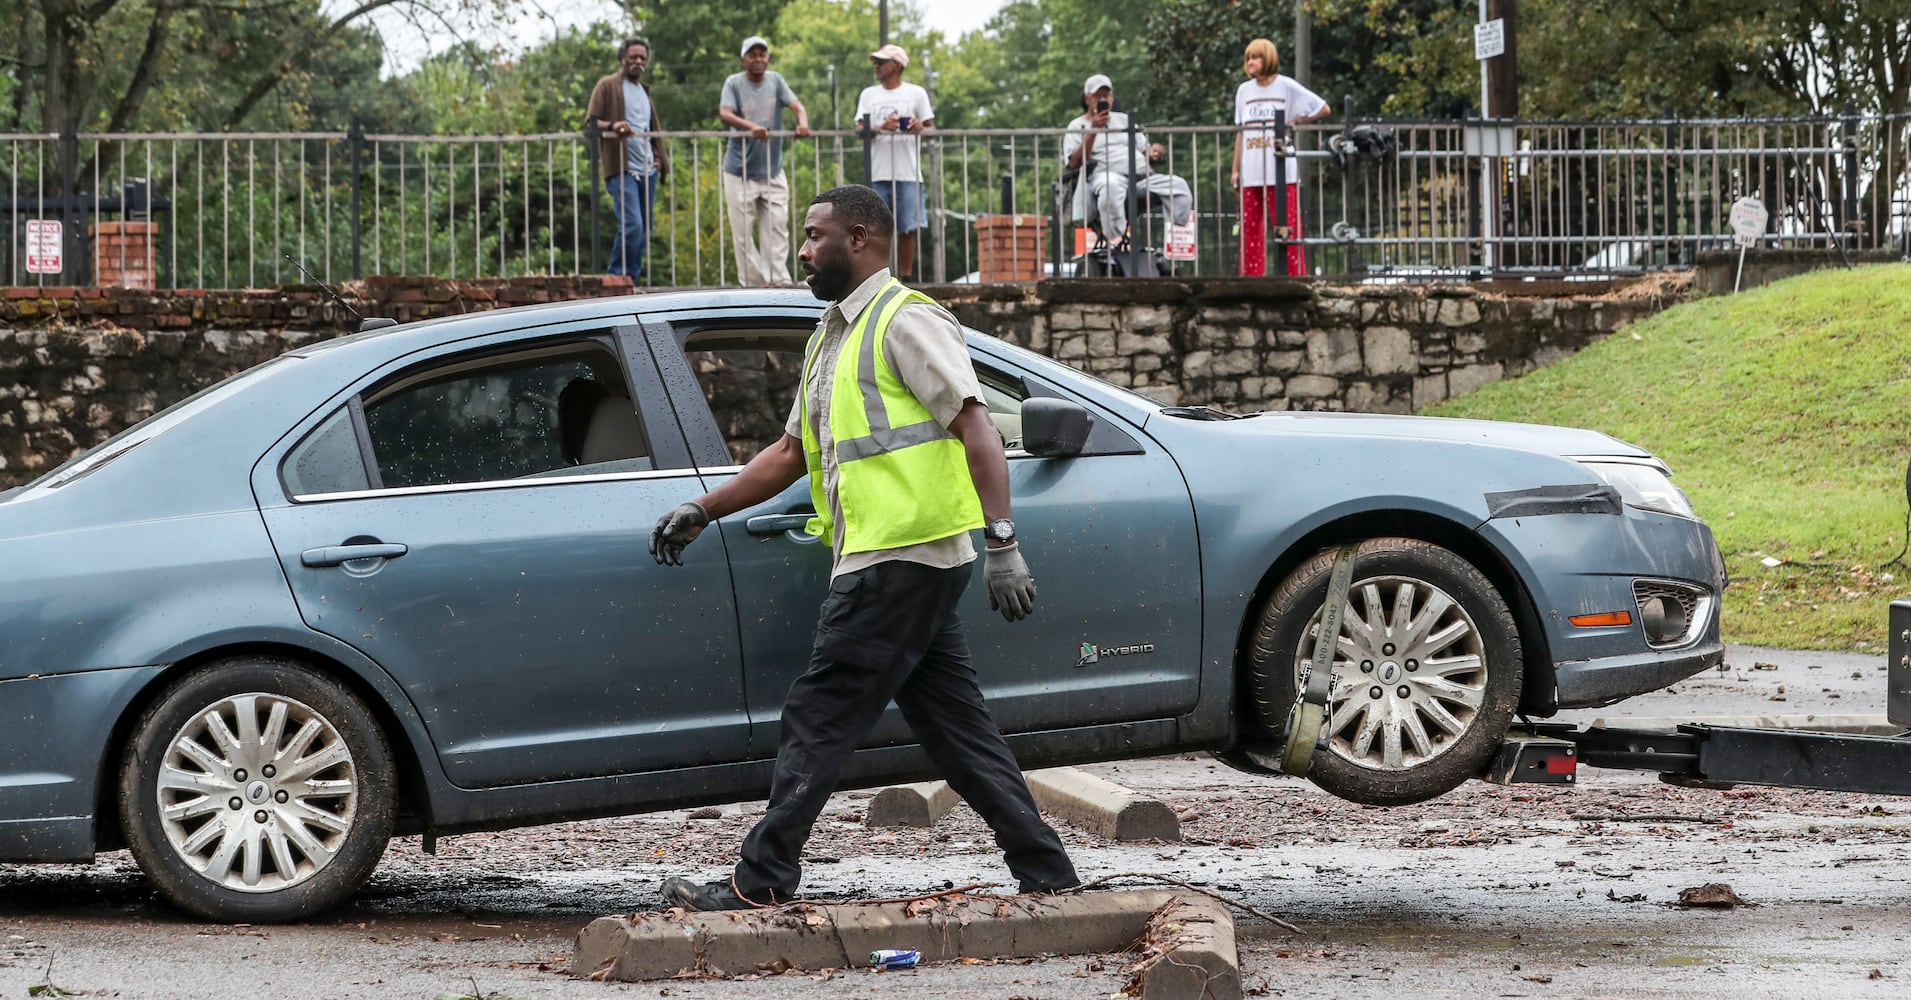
(932, 198)
(836, 122)
(1502, 71)
(882, 23)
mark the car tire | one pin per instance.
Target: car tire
(1427, 675)
(257, 791)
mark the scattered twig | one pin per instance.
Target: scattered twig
(47, 988)
(1231, 901)
(1642, 818)
(927, 895)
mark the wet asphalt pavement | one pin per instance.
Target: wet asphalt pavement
(1488, 891)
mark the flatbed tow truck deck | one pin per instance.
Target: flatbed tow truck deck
(1723, 756)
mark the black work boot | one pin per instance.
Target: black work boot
(712, 896)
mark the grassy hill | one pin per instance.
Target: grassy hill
(1785, 413)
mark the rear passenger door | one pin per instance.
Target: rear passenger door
(474, 519)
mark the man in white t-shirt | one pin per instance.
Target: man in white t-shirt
(1098, 143)
(892, 115)
(1265, 96)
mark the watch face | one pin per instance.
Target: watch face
(1002, 530)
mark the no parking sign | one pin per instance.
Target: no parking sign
(44, 246)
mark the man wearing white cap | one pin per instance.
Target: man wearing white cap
(753, 182)
(892, 115)
(1098, 144)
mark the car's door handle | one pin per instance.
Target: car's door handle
(333, 555)
(776, 524)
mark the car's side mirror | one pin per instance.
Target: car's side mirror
(1054, 428)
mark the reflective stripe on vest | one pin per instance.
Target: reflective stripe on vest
(896, 484)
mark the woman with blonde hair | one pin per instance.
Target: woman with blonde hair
(1256, 102)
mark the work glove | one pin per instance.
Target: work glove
(1011, 588)
(676, 530)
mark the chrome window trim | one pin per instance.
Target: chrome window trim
(498, 484)
(729, 470)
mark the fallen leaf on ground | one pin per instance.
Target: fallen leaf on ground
(1712, 895)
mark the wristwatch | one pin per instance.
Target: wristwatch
(1001, 530)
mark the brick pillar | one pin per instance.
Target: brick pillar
(123, 254)
(1010, 247)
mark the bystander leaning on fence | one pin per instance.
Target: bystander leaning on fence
(754, 186)
(1256, 102)
(892, 115)
(621, 109)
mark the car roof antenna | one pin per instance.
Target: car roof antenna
(374, 323)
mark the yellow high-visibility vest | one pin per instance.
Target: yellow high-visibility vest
(901, 478)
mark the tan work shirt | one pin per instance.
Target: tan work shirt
(924, 347)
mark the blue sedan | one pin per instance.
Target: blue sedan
(397, 583)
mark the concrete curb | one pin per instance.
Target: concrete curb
(911, 805)
(1188, 941)
(1871, 725)
(1102, 806)
(836, 936)
(1192, 953)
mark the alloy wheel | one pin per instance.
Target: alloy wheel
(257, 792)
(1410, 673)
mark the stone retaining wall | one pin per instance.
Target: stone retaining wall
(1276, 344)
(78, 365)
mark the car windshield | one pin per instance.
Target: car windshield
(99, 455)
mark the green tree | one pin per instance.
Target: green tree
(693, 47)
(1025, 68)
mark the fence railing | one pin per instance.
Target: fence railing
(1449, 199)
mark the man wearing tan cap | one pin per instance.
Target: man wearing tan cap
(892, 115)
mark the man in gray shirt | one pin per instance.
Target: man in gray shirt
(753, 182)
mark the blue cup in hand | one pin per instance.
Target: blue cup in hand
(902, 123)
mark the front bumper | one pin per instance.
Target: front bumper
(53, 736)
(1579, 564)
(1597, 683)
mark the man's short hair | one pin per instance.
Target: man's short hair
(858, 205)
(624, 49)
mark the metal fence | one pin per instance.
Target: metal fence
(1447, 199)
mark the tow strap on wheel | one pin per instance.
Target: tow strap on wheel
(1307, 720)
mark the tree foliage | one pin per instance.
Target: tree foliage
(1712, 57)
(693, 47)
(1025, 69)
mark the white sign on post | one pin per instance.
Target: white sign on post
(44, 246)
(1489, 39)
(1179, 244)
(1748, 221)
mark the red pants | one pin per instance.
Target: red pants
(1256, 207)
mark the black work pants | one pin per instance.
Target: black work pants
(891, 632)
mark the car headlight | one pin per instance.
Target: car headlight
(1642, 485)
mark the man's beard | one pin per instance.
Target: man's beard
(829, 280)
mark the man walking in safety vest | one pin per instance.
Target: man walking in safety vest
(903, 462)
